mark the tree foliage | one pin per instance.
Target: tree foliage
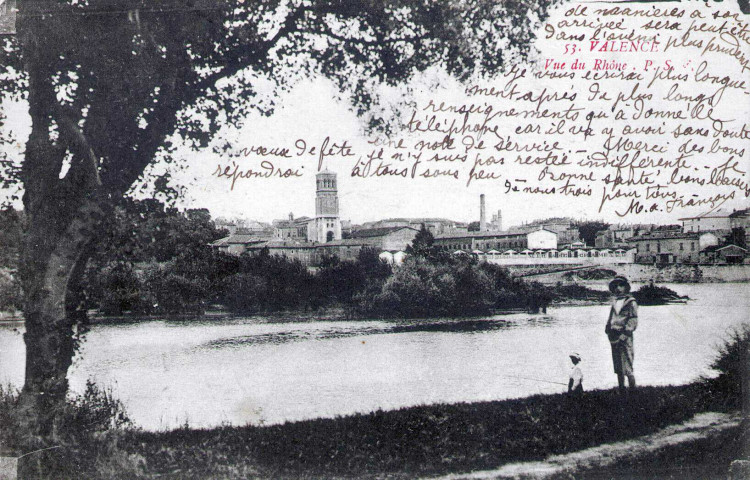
(342, 281)
(737, 237)
(11, 224)
(147, 230)
(588, 231)
(264, 282)
(423, 244)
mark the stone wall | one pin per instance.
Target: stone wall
(681, 273)
(675, 273)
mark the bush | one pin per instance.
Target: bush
(116, 289)
(89, 431)
(9, 435)
(244, 292)
(266, 282)
(96, 411)
(341, 281)
(455, 286)
(167, 290)
(653, 295)
(730, 362)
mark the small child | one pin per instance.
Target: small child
(575, 384)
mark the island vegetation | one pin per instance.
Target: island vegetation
(655, 295)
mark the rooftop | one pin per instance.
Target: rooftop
(666, 234)
(376, 232)
(716, 248)
(740, 213)
(345, 242)
(490, 234)
(276, 243)
(720, 213)
(237, 240)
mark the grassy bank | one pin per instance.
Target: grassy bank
(425, 440)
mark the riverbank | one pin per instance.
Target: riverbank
(407, 443)
(436, 440)
(667, 273)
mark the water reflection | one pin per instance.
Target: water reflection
(471, 326)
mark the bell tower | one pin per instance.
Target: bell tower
(327, 225)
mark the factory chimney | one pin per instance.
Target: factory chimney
(482, 216)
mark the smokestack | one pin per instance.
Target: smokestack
(482, 217)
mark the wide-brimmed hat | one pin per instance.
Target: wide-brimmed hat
(575, 355)
(617, 281)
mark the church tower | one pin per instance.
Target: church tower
(327, 226)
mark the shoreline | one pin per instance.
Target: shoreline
(410, 442)
(334, 314)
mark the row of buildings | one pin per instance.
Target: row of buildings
(719, 236)
(553, 241)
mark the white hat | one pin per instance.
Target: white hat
(575, 355)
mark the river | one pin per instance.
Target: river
(261, 370)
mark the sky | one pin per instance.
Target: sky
(311, 111)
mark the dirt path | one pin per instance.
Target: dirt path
(699, 427)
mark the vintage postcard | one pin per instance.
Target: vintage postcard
(374, 239)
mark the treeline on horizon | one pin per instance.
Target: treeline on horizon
(151, 259)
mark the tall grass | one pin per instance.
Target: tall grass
(86, 442)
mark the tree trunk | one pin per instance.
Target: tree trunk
(50, 343)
